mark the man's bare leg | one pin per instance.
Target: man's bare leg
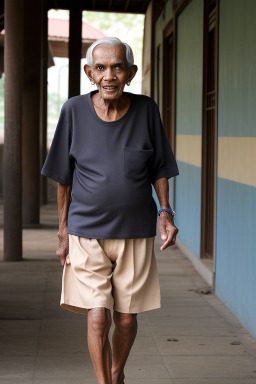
(123, 338)
(99, 322)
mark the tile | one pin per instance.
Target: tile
(54, 380)
(150, 367)
(186, 322)
(173, 329)
(203, 367)
(221, 380)
(28, 327)
(59, 313)
(16, 381)
(199, 345)
(143, 329)
(54, 327)
(148, 381)
(64, 366)
(17, 367)
(167, 291)
(144, 346)
(183, 301)
(54, 345)
(18, 345)
(186, 311)
(17, 309)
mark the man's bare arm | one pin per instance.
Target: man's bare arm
(166, 224)
(63, 200)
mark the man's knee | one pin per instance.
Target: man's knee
(99, 320)
(125, 322)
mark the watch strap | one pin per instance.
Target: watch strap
(171, 211)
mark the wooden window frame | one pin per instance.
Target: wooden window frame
(204, 169)
(170, 132)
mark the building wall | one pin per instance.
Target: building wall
(189, 88)
(235, 263)
(147, 46)
(236, 184)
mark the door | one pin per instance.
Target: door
(209, 133)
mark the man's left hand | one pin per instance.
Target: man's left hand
(167, 229)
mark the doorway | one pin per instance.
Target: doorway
(209, 132)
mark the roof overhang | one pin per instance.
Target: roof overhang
(121, 6)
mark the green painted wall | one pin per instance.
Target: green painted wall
(189, 119)
(237, 74)
(190, 69)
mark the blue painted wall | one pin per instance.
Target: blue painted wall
(189, 120)
(236, 202)
(188, 219)
(237, 75)
(190, 69)
(236, 250)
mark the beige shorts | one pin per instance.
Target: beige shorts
(112, 273)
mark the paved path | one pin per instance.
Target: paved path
(192, 339)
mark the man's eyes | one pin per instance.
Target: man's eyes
(101, 67)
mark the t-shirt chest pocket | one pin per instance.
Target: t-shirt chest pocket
(135, 162)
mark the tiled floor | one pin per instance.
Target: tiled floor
(192, 339)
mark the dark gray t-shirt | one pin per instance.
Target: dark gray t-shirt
(111, 166)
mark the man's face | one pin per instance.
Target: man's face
(110, 70)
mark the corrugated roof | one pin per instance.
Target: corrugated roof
(60, 28)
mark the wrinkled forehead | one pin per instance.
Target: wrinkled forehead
(109, 53)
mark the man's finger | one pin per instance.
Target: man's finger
(173, 240)
(170, 240)
(167, 242)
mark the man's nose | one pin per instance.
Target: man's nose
(109, 74)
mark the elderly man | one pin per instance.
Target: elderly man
(109, 147)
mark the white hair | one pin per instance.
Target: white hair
(110, 41)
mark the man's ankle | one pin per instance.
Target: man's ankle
(117, 377)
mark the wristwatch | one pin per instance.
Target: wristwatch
(171, 211)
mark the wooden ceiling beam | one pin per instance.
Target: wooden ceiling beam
(126, 5)
(139, 7)
(145, 5)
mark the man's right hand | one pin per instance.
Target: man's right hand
(63, 248)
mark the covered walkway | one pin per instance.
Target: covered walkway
(192, 339)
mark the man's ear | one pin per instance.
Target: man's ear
(88, 71)
(132, 72)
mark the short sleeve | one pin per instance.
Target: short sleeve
(163, 163)
(59, 165)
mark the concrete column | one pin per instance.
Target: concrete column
(75, 47)
(31, 113)
(12, 170)
(43, 104)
